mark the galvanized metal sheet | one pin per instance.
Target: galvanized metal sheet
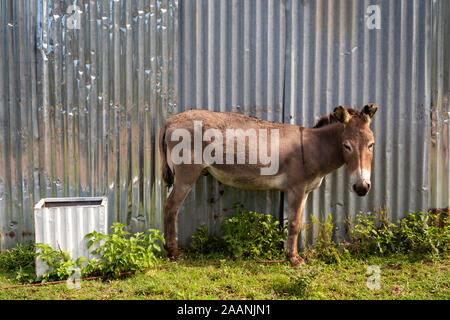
(338, 57)
(439, 164)
(233, 58)
(84, 88)
(300, 59)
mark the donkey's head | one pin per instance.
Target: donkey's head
(357, 145)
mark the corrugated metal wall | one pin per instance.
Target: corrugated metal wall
(80, 109)
(232, 57)
(440, 116)
(294, 61)
(335, 59)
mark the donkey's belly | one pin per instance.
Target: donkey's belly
(247, 181)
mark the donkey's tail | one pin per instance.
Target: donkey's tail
(167, 173)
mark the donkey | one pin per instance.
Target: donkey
(303, 155)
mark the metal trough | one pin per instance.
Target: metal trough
(63, 222)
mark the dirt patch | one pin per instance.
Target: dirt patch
(396, 266)
(396, 289)
(445, 267)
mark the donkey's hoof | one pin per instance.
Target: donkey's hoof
(296, 261)
(172, 251)
(179, 257)
(176, 255)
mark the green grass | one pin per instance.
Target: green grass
(402, 277)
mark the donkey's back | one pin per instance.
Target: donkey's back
(218, 120)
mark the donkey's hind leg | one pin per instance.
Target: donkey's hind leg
(185, 177)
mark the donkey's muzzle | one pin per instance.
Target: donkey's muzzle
(362, 188)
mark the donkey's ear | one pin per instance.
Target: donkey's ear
(369, 111)
(341, 114)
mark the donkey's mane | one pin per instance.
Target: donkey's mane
(330, 118)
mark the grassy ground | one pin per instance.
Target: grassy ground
(400, 278)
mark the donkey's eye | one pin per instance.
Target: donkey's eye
(371, 146)
(348, 147)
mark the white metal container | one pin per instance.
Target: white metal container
(63, 222)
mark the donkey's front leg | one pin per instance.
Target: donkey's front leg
(296, 204)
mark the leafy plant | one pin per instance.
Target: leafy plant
(20, 261)
(60, 264)
(373, 233)
(245, 235)
(419, 232)
(22, 255)
(122, 252)
(117, 252)
(204, 243)
(325, 248)
(253, 235)
(25, 275)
